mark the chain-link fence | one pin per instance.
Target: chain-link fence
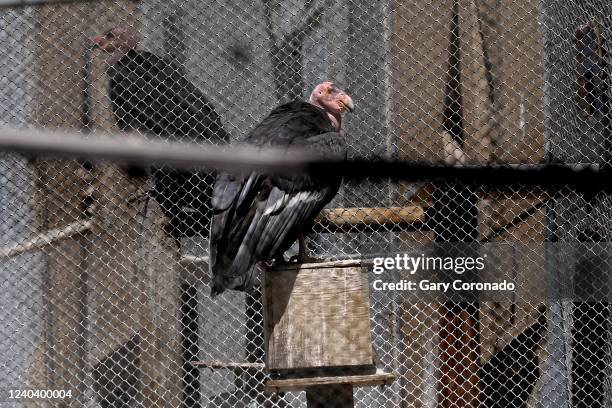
(104, 275)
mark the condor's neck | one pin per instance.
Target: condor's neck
(118, 54)
(336, 120)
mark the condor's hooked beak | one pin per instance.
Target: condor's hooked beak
(349, 104)
(347, 101)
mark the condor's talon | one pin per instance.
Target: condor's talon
(271, 264)
(302, 257)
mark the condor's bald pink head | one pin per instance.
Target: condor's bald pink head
(332, 101)
(117, 42)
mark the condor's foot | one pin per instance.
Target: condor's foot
(280, 261)
(308, 259)
(303, 257)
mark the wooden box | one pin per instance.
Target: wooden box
(317, 316)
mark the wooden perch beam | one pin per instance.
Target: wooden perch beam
(369, 219)
(47, 238)
(330, 220)
(515, 222)
(299, 384)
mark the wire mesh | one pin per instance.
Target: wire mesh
(104, 277)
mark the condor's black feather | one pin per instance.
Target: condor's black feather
(150, 94)
(258, 217)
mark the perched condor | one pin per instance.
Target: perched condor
(151, 94)
(258, 217)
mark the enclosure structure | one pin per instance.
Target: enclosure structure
(99, 298)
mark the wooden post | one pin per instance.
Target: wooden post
(317, 332)
(317, 317)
